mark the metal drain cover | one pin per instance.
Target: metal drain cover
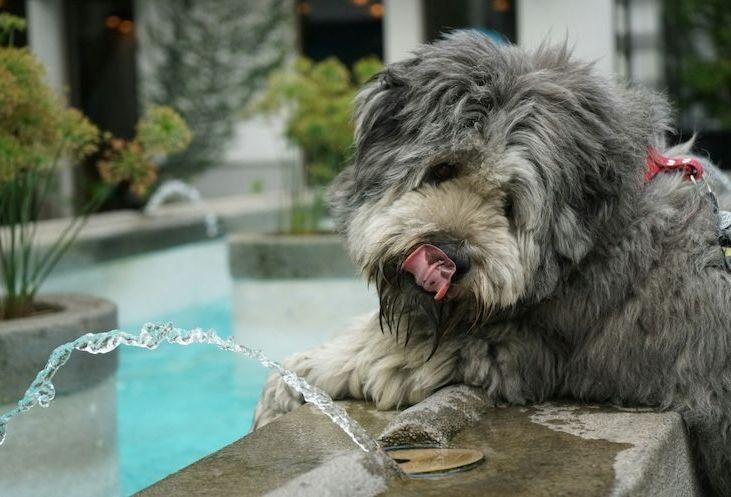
(431, 461)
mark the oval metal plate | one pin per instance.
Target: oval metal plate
(422, 461)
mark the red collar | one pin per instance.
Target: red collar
(656, 162)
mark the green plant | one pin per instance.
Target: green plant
(317, 100)
(38, 135)
(256, 186)
(698, 56)
(9, 24)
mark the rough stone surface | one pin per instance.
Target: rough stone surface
(268, 458)
(435, 420)
(349, 470)
(656, 464)
(288, 256)
(26, 343)
(549, 450)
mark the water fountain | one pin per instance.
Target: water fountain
(42, 391)
(174, 189)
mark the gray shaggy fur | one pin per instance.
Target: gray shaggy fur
(585, 281)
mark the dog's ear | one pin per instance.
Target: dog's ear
(340, 196)
(595, 139)
(378, 124)
(377, 109)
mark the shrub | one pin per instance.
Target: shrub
(38, 136)
(698, 45)
(317, 99)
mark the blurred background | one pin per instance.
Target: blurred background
(211, 130)
(208, 59)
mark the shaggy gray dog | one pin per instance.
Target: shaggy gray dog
(497, 200)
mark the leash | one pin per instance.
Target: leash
(692, 170)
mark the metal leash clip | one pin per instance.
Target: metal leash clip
(723, 223)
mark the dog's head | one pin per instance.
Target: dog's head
(482, 174)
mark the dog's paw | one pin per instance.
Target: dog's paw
(277, 399)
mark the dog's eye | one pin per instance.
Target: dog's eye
(442, 172)
(508, 206)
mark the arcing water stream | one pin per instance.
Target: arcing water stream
(42, 392)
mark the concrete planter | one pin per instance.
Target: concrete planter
(269, 257)
(26, 343)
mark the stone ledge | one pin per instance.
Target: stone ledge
(109, 235)
(551, 449)
(269, 457)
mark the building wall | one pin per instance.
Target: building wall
(639, 36)
(403, 25)
(46, 36)
(587, 25)
(47, 40)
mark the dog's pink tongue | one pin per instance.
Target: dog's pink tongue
(432, 269)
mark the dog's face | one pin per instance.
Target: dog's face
(483, 174)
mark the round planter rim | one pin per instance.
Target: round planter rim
(70, 305)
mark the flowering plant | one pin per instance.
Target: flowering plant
(38, 136)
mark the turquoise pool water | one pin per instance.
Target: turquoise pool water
(175, 405)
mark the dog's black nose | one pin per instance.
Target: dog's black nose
(455, 251)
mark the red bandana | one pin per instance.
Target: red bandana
(656, 162)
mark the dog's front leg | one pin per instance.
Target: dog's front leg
(515, 363)
(364, 363)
